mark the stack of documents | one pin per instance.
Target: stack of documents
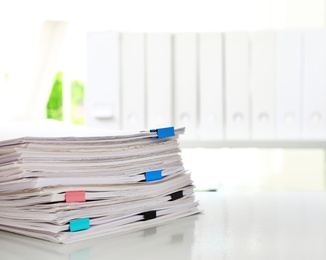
(67, 189)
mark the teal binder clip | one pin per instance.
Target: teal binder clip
(164, 132)
(153, 175)
(79, 224)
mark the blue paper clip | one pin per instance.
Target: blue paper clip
(79, 224)
(164, 132)
(153, 175)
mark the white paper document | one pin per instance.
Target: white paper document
(69, 188)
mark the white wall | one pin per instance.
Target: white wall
(19, 16)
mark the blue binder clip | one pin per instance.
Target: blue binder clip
(79, 224)
(153, 175)
(164, 132)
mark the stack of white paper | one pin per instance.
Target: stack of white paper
(66, 189)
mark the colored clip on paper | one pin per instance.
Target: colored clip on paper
(79, 224)
(75, 196)
(149, 215)
(153, 175)
(164, 132)
(176, 195)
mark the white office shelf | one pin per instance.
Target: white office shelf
(286, 144)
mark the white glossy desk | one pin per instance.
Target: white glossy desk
(289, 225)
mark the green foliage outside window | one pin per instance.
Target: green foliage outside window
(77, 103)
(54, 106)
(55, 103)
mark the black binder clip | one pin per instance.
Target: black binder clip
(176, 195)
(149, 215)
